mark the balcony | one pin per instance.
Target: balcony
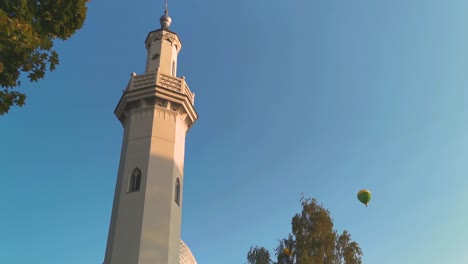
(162, 80)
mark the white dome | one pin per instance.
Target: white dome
(185, 255)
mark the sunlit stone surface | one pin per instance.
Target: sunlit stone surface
(186, 256)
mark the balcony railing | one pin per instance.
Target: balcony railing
(163, 80)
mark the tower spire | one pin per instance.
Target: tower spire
(165, 20)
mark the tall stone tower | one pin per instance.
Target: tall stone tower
(156, 111)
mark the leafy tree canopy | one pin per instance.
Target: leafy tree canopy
(258, 255)
(27, 31)
(312, 241)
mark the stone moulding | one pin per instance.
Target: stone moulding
(159, 89)
(163, 80)
(162, 34)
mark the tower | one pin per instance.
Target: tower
(156, 110)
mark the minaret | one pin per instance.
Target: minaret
(156, 110)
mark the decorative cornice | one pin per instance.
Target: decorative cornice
(141, 113)
(162, 34)
(164, 105)
(165, 113)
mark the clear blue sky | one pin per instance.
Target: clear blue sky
(320, 97)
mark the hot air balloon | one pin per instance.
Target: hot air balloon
(364, 196)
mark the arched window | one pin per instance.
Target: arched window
(135, 180)
(177, 192)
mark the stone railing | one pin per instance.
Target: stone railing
(142, 81)
(170, 82)
(189, 94)
(163, 80)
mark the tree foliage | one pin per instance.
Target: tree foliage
(258, 255)
(312, 241)
(28, 29)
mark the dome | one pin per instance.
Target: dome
(185, 255)
(165, 21)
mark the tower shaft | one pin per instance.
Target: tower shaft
(145, 225)
(156, 111)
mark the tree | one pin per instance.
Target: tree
(28, 29)
(312, 241)
(258, 255)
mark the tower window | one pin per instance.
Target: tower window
(173, 68)
(177, 192)
(135, 180)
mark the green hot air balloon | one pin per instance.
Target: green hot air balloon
(364, 196)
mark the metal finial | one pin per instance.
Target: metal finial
(165, 20)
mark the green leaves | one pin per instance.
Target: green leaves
(313, 230)
(60, 18)
(28, 29)
(258, 255)
(285, 251)
(312, 241)
(8, 98)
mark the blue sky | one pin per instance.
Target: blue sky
(317, 97)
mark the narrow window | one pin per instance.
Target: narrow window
(173, 68)
(177, 192)
(155, 56)
(135, 180)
